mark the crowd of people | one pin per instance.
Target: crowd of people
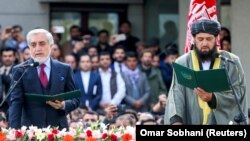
(116, 76)
(122, 79)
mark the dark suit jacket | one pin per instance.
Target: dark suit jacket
(144, 92)
(24, 112)
(93, 96)
(4, 88)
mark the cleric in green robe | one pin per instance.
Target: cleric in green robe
(196, 106)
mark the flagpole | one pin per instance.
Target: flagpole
(218, 6)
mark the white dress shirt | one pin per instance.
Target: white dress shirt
(85, 80)
(206, 65)
(47, 68)
(117, 67)
(106, 92)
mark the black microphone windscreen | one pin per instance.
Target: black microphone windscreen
(216, 55)
(36, 64)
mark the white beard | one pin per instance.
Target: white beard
(41, 60)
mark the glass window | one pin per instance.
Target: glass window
(164, 18)
(65, 20)
(99, 21)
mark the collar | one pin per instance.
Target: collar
(101, 70)
(85, 72)
(47, 63)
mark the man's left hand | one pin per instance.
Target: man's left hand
(56, 104)
(205, 96)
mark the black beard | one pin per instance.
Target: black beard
(119, 61)
(203, 56)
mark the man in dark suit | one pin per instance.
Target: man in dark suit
(8, 61)
(49, 78)
(90, 84)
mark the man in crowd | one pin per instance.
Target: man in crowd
(119, 57)
(90, 118)
(197, 106)
(8, 57)
(71, 60)
(154, 77)
(90, 84)
(137, 87)
(75, 36)
(113, 86)
(95, 62)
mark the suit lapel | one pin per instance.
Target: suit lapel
(91, 81)
(32, 72)
(55, 73)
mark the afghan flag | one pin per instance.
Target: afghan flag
(199, 9)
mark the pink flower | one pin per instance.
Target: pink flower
(55, 131)
(31, 135)
(89, 133)
(18, 134)
(104, 135)
(51, 137)
(113, 137)
(11, 135)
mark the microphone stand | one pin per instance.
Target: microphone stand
(240, 117)
(12, 87)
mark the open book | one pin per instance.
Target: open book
(61, 96)
(213, 80)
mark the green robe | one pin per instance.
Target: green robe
(183, 102)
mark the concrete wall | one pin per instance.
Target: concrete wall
(240, 31)
(135, 12)
(27, 13)
(183, 18)
(34, 13)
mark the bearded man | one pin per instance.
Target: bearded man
(197, 106)
(49, 78)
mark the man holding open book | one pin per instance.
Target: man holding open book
(199, 106)
(48, 77)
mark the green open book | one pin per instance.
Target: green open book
(213, 80)
(61, 96)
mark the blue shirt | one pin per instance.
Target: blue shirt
(47, 68)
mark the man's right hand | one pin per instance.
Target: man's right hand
(111, 111)
(177, 123)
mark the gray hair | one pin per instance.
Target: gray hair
(37, 31)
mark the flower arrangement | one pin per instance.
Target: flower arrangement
(97, 132)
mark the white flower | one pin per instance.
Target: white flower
(97, 134)
(103, 126)
(40, 135)
(11, 135)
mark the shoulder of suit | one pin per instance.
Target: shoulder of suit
(60, 64)
(183, 57)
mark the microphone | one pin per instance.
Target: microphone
(33, 64)
(217, 55)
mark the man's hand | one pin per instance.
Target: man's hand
(138, 104)
(111, 111)
(56, 104)
(205, 96)
(177, 123)
(104, 105)
(163, 100)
